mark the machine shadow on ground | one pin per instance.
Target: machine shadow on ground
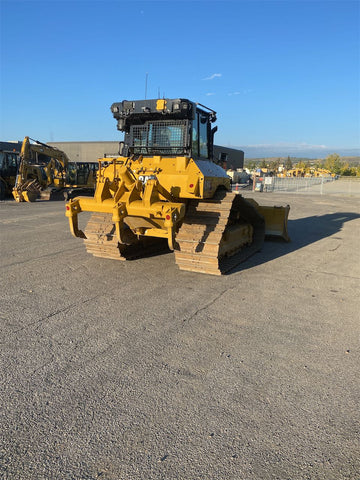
(302, 232)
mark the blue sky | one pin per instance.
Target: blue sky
(283, 74)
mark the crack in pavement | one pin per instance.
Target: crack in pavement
(333, 274)
(208, 305)
(53, 314)
(34, 259)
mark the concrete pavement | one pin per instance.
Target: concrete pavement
(136, 370)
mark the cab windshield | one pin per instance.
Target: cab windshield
(159, 138)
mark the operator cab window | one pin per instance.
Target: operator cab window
(203, 135)
(159, 138)
(200, 135)
(195, 137)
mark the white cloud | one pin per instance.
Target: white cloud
(244, 92)
(214, 75)
(209, 94)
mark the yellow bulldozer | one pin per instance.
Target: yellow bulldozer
(164, 191)
(46, 172)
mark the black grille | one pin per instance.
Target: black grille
(159, 138)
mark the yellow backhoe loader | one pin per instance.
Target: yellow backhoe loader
(46, 172)
(164, 191)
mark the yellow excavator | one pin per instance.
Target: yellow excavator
(46, 172)
(164, 191)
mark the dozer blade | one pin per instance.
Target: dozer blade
(276, 219)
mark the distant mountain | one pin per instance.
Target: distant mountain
(303, 151)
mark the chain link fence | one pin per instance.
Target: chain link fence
(342, 186)
(296, 184)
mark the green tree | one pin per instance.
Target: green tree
(263, 163)
(251, 165)
(301, 165)
(288, 163)
(274, 165)
(334, 163)
(319, 163)
(348, 171)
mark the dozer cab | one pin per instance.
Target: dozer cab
(164, 191)
(46, 172)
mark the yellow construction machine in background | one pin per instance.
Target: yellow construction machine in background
(164, 191)
(46, 172)
(9, 162)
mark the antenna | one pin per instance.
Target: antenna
(146, 81)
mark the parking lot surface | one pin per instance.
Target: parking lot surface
(136, 370)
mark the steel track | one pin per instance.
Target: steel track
(101, 241)
(204, 229)
(199, 238)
